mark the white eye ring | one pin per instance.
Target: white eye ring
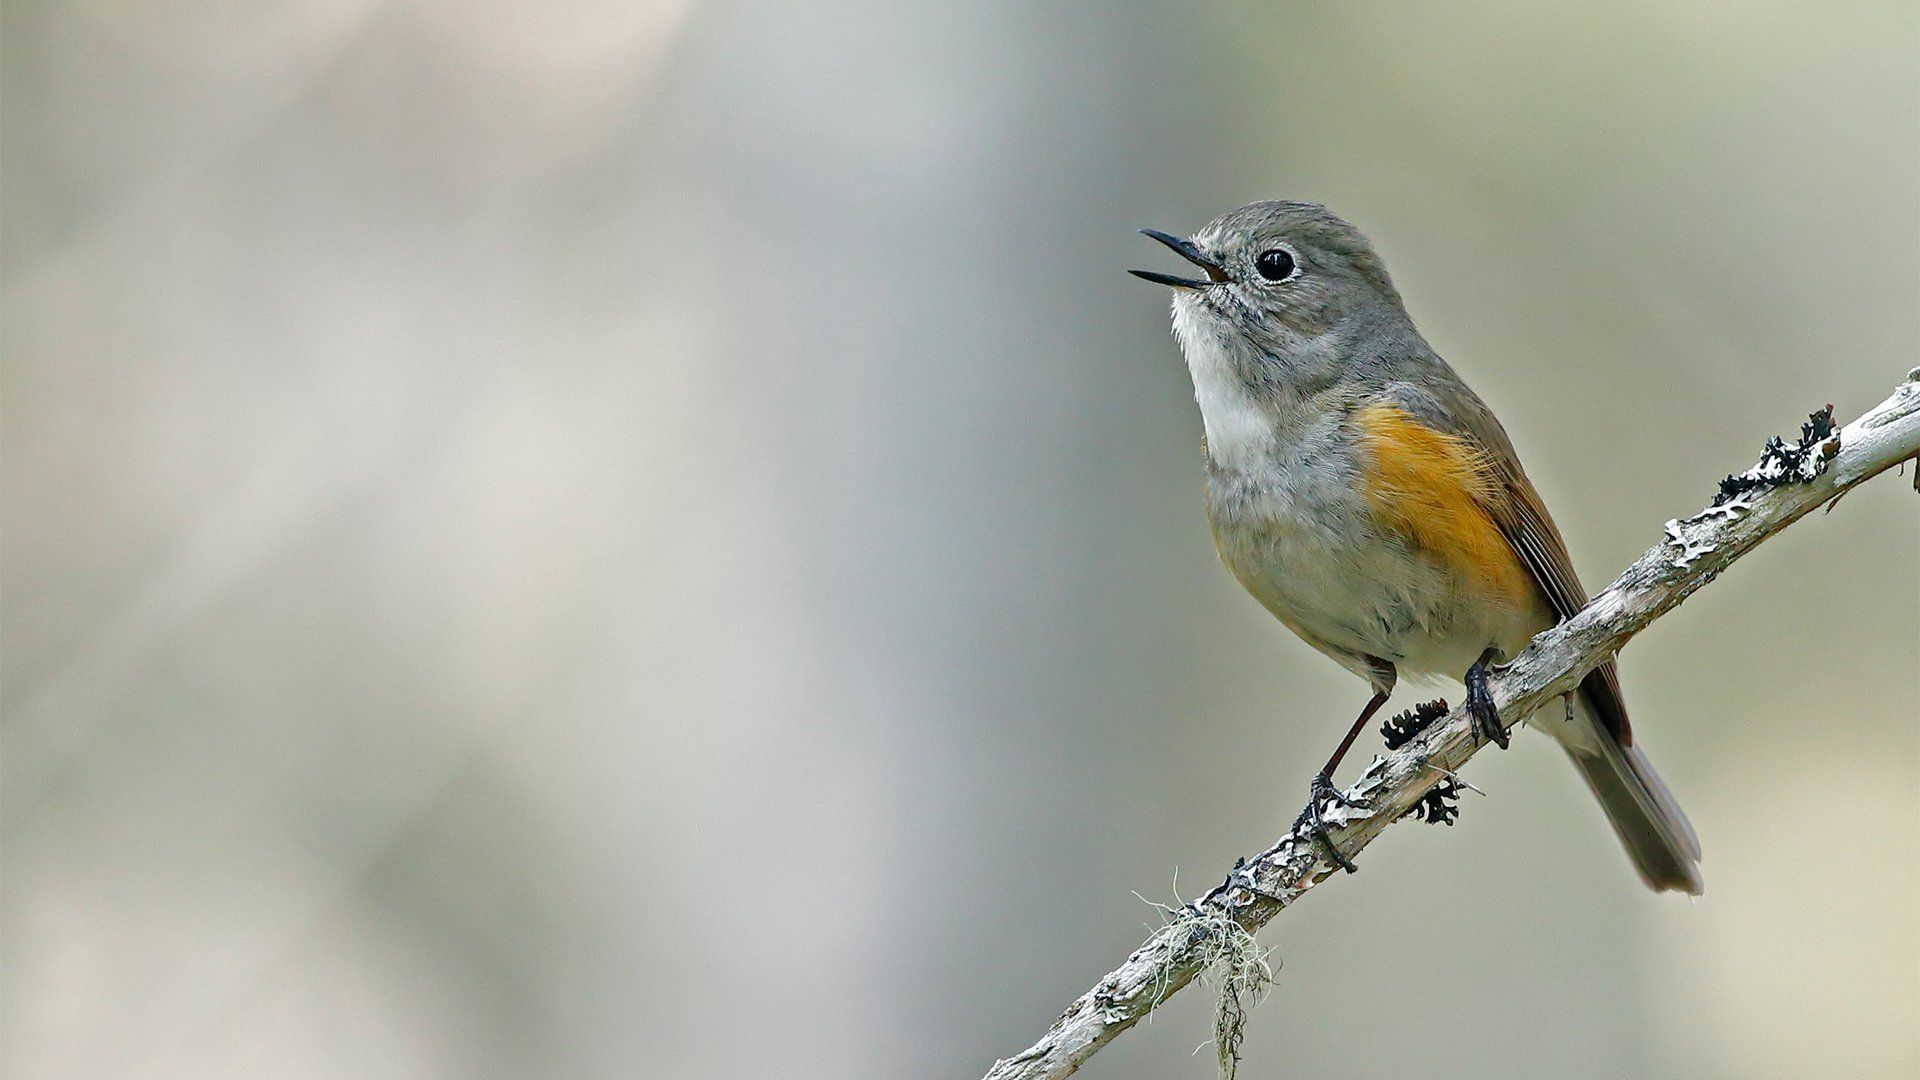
(1277, 264)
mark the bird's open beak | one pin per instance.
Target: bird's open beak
(1215, 272)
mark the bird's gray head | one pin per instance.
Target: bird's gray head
(1294, 301)
(1290, 289)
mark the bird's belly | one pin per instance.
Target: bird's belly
(1334, 576)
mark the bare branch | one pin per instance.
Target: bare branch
(1789, 482)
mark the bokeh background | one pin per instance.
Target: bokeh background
(656, 539)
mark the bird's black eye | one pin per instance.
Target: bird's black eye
(1275, 265)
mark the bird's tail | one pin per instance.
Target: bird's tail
(1655, 831)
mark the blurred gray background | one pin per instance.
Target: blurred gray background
(656, 539)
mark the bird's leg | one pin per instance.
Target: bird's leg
(1486, 717)
(1322, 787)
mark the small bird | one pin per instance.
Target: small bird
(1373, 504)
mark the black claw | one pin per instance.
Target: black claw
(1486, 716)
(1323, 788)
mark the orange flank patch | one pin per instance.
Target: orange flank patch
(1434, 488)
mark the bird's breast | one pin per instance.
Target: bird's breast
(1306, 536)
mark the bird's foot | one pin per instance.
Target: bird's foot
(1486, 716)
(1316, 826)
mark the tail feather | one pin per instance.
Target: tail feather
(1656, 833)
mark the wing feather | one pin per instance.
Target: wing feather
(1517, 510)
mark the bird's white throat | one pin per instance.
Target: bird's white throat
(1239, 431)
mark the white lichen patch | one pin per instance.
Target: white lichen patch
(1340, 814)
(1679, 535)
(1372, 779)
